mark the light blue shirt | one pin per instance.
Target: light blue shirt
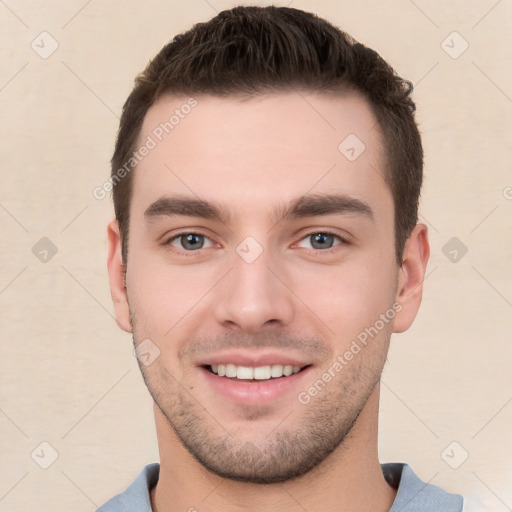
(413, 494)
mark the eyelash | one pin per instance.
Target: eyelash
(342, 241)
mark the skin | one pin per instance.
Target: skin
(251, 157)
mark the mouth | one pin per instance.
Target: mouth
(254, 373)
(255, 383)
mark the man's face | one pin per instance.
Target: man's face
(273, 283)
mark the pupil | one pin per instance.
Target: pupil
(322, 240)
(191, 241)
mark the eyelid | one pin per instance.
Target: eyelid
(342, 235)
(192, 230)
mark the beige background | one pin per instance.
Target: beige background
(68, 376)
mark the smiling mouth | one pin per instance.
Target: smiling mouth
(257, 373)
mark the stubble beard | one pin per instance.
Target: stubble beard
(283, 454)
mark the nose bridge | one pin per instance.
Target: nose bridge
(252, 295)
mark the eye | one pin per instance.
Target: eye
(320, 240)
(190, 241)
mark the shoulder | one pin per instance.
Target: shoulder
(415, 495)
(136, 498)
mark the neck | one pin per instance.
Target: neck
(349, 479)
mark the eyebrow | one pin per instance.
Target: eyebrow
(311, 205)
(315, 205)
(186, 206)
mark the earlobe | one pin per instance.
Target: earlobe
(116, 273)
(410, 277)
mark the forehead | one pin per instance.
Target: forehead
(255, 153)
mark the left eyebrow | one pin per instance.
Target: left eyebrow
(315, 205)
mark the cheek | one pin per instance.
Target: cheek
(348, 299)
(164, 296)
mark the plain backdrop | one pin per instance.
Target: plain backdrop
(68, 375)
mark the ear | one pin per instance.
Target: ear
(116, 275)
(410, 277)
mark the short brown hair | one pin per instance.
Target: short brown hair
(251, 51)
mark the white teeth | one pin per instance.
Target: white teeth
(231, 370)
(244, 372)
(276, 370)
(262, 373)
(258, 373)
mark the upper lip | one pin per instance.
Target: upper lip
(249, 359)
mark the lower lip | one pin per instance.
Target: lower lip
(255, 392)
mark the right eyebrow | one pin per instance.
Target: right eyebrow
(176, 205)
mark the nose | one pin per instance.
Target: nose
(254, 296)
